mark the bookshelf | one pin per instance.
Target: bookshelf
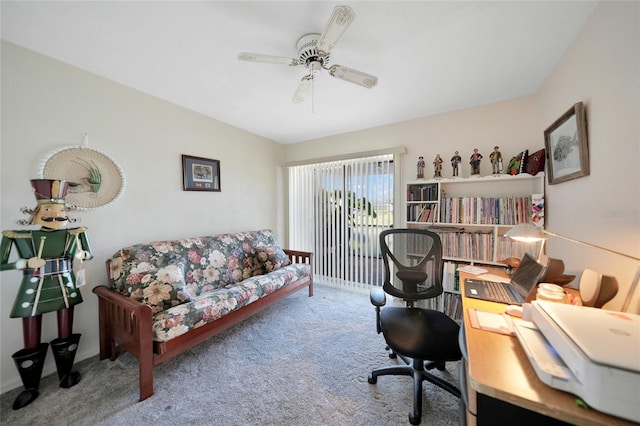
(450, 301)
(471, 215)
(423, 200)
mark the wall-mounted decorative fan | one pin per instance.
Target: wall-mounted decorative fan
(314, 51)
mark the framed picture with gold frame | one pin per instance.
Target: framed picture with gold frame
(567, 146)
(200, 174)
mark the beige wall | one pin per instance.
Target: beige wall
(47, 105)
(509, 124)
(601, 69)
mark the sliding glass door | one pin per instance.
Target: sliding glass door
(339, 209)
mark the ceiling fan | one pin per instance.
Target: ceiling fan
(314, 51)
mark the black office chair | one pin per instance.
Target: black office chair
(423, 338)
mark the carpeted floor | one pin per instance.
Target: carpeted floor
(301, 361)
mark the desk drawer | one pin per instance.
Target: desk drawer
(494, 412)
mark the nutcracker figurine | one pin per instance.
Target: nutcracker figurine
(437, 166)
(49, 284)
(420, 167)
(455, 160)
(496, 161)
(474, 160)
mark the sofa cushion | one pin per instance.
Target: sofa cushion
(535, 163)
(211, 306)
(269, 258)
(518, 163)
(160, 288)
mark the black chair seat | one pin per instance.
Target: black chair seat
(421, 333)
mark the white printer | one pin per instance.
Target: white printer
(592, 353)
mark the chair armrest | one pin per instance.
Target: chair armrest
(377, 297)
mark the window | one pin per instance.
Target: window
(337, 210)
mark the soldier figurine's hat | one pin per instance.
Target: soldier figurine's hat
(50, 190)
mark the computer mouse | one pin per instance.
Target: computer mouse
(514, 311)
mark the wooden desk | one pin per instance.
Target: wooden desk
(497, 368)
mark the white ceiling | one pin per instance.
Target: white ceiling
(430, 57)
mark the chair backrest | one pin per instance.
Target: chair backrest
(413, 263)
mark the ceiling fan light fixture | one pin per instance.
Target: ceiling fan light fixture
(314, 66)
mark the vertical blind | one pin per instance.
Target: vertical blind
(337, 210)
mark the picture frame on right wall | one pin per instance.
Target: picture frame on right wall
(567, 146)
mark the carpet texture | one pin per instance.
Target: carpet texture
(302, 361)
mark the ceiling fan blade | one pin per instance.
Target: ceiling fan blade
(340, 20)
(256, 57)
(353, 76)
(303, 89)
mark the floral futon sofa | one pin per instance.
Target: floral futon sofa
(166, 297)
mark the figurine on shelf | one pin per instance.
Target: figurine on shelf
(455, 160)
(475, 162)
(421, 164)
(437, 166)
(48, 284)
(496, 161)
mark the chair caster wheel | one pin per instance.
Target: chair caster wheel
(372, 380)
(393, 355)
(437, 365)
(414, 420)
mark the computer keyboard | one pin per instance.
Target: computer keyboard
(498, 292)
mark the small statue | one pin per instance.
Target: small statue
(455, 160)
(49, 284)
(496, 161)
(420, 166)
(475, 162)
(437, 166)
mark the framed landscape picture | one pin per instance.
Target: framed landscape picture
(200, 174)
(567, 146)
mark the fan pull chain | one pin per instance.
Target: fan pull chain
(313, 85)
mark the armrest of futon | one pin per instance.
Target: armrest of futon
(124, 320)
(297, 256)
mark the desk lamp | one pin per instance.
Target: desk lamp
(528, 232)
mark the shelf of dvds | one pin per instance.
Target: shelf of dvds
(471, 215)
(449, 301)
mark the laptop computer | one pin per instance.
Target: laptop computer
(519, 290)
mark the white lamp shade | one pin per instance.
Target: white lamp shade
(526, 232)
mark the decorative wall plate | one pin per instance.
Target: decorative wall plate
(95, 179)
